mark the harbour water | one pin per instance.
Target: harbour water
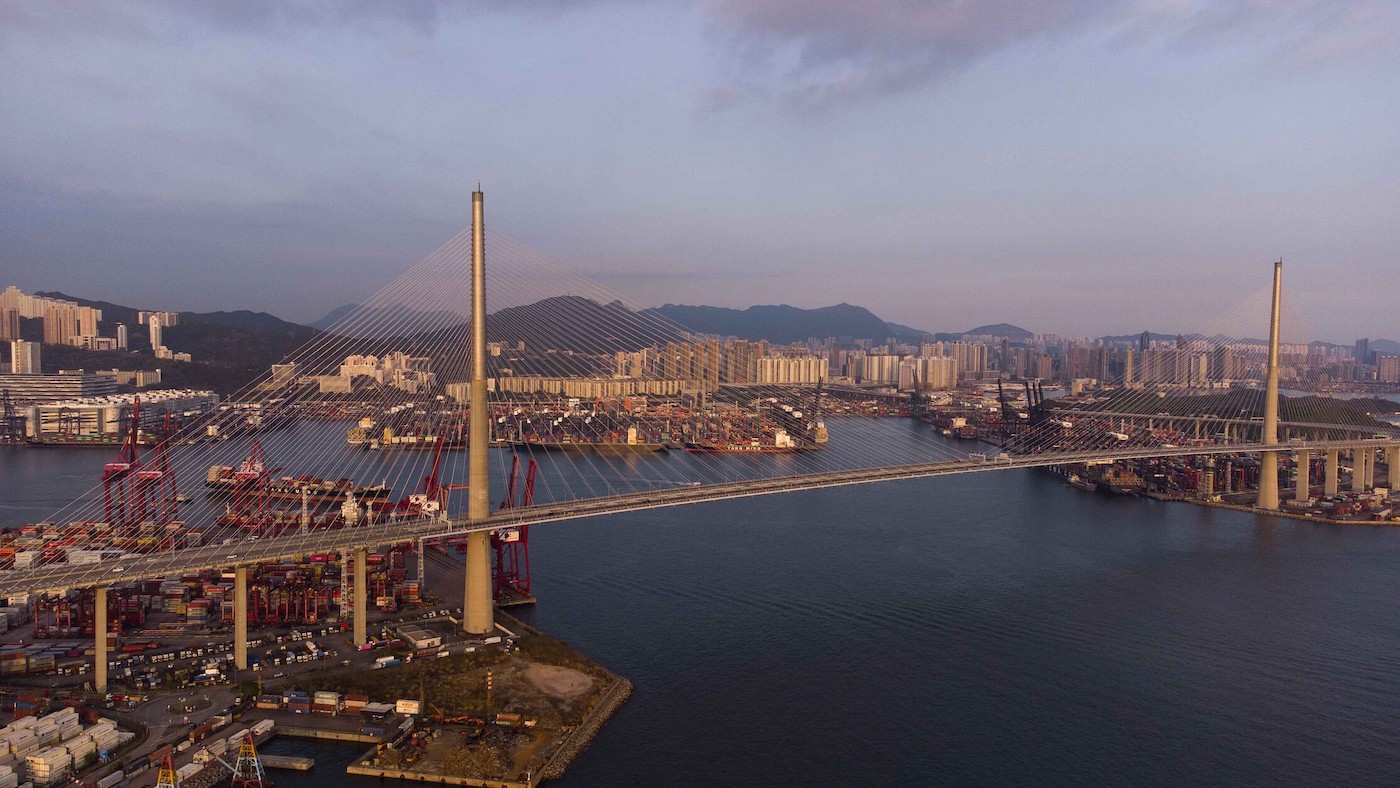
(995, 628)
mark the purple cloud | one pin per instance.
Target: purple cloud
(815, 53)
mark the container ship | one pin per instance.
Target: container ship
(782, 443)
(224, 480)
(808, 433)
(609, 444)
(410, 436)
(1116, 480)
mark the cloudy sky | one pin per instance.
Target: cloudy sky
(1077, 166)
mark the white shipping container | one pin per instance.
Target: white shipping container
(261, 727)
(112, 779)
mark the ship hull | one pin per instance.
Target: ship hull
(585, 447)
(278, 492)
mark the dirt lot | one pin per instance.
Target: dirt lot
(558, 682)
(541, 680)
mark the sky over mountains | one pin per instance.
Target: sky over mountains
(1081, 167)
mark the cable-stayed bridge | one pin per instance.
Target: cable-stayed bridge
(56, 577)
(623, 410)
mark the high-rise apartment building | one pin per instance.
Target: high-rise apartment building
(1388, 369)
(24, 357)
(9, 323)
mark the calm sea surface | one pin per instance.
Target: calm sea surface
(986, 629)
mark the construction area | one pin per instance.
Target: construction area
(514, 715)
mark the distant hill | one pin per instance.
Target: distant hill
(360, 321)
(241, 319)
(329, 319)
(780, 323)
(230, 349)
(1386, 346)
(1000, 330)
(111, 313)
(909, 334)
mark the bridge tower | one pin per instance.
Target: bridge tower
(1268, 469)
(478, 612)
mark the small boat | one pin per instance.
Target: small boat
(1079, 482)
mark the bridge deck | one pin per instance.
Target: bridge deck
(55, 577)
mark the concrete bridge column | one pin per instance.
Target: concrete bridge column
(1368, 475)
(1392, 460)
(1357, 472)
(1301, 472)
(361, 595)
(240, 617)
(1268, 480)
(1329, 475)
(99, 678)
(422, 566)
(478, 604)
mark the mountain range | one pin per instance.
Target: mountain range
(361, 320)
(780, 323)
(541, 324)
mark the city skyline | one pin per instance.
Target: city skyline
(156, 319)
(1043, 169)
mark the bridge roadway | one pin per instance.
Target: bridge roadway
(57, 577)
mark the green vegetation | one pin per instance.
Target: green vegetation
(548, 651)
(1376, 405)
(438, 681)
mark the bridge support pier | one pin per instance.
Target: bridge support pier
(99, 628)
(1392, 461)
(1367, 464)
(1356, 470)
(240, 617)
(422, 566)
(478, 615)
(1268, 480)
(360, 636)
(1302, 473)
(1329, 475)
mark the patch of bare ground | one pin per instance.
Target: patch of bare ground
(558, 682)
